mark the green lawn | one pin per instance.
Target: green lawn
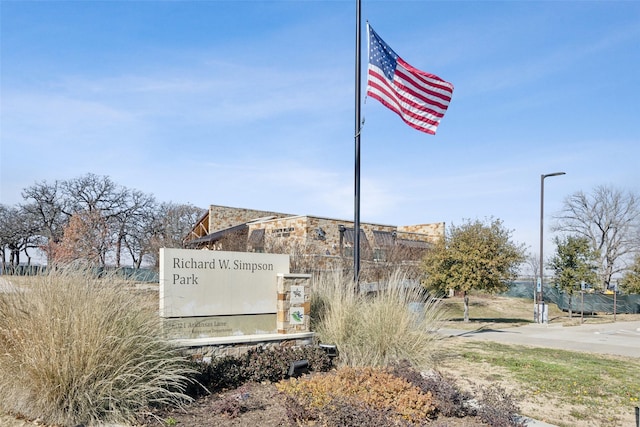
(563, 388)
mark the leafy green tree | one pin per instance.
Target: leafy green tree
(630, 282)
(575, 262)
(473, 256)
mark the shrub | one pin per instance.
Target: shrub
(449, 399)
(76, 349)
(273, 365)
(339, 411)
(256, 365)
(233, 405)
(380, 329)
(347, 411)
(297, 414)
(497, 407)
(360, 391)
(222, 373)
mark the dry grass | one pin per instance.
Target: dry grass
(505, 312)
(563, 388)
(75, 349)
(394, 324)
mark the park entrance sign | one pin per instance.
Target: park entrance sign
(196, 283)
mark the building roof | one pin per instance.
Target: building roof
(217, 235)
(201, 234)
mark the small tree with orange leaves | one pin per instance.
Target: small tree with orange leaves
(86, 237)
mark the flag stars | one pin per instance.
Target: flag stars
(381, 55)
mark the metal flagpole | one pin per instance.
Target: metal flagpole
(356, 221)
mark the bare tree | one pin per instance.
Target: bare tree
(171, 223)
(18, 233)
(609, 219)
(129, 222)
(401, 256)
(532, 261)
(129, 219)
(141, 233)
(8, 235)
(55, 204)
(303, 255)
(47, 203)
(95, 193)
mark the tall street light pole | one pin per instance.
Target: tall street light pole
(540, 296)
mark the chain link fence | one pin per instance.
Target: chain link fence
(144, 275)
(587, 302)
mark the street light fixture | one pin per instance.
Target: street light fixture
(540, 312)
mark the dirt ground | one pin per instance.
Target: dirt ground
(260, 405)
(253, 404)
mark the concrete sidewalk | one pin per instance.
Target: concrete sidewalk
(616, 338)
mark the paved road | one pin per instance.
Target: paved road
(617, 338)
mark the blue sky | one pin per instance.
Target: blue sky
(251, 104)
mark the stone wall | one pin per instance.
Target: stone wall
(221, 217)
(323, 234)
(434, 230)
(207, 351)
(294, 303)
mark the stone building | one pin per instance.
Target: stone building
(240, 229)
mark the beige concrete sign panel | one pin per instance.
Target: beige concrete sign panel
(219, 326)
(217, 283)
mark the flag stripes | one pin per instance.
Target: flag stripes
(419, 98)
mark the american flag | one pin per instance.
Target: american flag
(419, 98)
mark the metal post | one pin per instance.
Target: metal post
(356, 221)
(540, 298)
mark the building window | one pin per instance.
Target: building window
(384, 239)
(347, 242)
(256, 240)
(379, 254)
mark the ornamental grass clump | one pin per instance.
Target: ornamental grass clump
(397, 322)
(78, 349)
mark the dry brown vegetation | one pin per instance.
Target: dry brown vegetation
(566, 397)
(78, 349)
